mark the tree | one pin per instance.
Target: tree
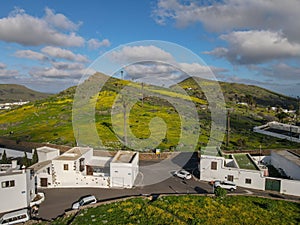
(35, 157)
(281, 116)
(4, 159)
(25, 160)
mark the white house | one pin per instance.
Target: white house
(18, 187)
(247, 173)
(85, 167)
(124, 169)
(219, 168)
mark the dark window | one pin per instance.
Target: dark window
(66, 166)
(213, 165)
(9, 183)
(230, 178)
(248, 181)
(81, 164)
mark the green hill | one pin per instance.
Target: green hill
(15, 93)
(50, 119)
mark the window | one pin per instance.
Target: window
(9, 183)
(230, 178)
(48, 170)
(213, 165)
(81, 164)
(248, 181)
(66, 166)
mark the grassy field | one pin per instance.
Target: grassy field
(190, 210)
(244, 162)
(50, 120)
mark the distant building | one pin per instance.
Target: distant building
(280, 130)
(17, 188)
(85, 167)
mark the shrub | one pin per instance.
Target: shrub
(220, 192)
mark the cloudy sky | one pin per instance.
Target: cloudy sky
(47, 45)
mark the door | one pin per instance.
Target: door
(44, 182)
(273, 185)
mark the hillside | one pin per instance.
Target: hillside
(50, 119)
(15, 93)
(236, 92)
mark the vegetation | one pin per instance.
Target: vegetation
(220, 192)
(50, 120)
(244, 162)
(190, 210)
(16, 93)
(4, 159)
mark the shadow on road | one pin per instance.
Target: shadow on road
(199, 190)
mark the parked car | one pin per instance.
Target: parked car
(225, 184)
(19, 216)
(86, 200)
(183, 174)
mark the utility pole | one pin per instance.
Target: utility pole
(122, 77)
(124, 120)
(228, 128)
(298, 113)
(142, 94)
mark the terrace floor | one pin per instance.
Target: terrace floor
(244, 162)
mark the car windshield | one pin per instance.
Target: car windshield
(81, 202)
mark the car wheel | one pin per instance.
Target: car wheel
(231, 189)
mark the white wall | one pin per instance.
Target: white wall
(124, 174)
(121, 175)
(47, 155)
(20, 195)
(222, 172)
(14, 153)
(290, 187)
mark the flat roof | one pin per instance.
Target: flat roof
(289, 155)
(47, 149)
(40, 165)
(11, 172)
(73, 153)
(124, 157)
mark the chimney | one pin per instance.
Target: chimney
(14, 164)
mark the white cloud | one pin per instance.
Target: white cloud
(67, 66)
(249, 47)
(6, 73)
(157, 72)
(64, 54)
(229, 15)
(2, 65)
(54, 73)
(140, 53)
(24, 29)
(95, 44)
(281, 71)
(29, 54)
(60, 21)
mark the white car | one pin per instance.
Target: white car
(86, 200)
(183, 174)
(225, 184)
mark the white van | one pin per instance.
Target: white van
(19, 216)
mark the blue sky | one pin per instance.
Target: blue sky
(46, 45)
